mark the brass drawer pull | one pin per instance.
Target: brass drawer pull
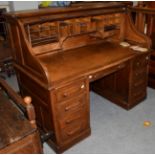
(90, 76)
(82, 86)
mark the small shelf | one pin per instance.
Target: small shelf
(51, 32)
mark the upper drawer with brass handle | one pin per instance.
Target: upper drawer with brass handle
(101, 74)
(71, 106)
(70, 90)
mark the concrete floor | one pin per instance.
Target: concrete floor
(115, 130)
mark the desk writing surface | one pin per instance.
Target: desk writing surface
(84, 60)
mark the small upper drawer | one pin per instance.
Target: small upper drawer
(101, 74)
(70, 90)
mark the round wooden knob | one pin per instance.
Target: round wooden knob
(147, 58)
(28, 100)
(138, 63)
(65, 95)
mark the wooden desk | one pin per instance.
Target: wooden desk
(58, 52)
(16, 133)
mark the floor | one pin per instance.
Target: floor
(115, 130)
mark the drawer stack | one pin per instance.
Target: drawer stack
(72, 106)
(139, 78)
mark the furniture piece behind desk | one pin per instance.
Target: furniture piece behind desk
(58, 52)
(145, 22)
(6, 65)
(17, 134)
(5, 51)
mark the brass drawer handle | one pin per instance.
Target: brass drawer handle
(90, 77)
(82, 86)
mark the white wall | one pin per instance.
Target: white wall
(4, 2)
(23, 5)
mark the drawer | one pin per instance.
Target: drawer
(98, 75)
(72, 119)
(139, 82)
(70, 106)
(70, 90)
(140, 61)
(138, 74)
(138, 96)
(71, 128)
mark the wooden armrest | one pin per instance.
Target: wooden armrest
(26, 103)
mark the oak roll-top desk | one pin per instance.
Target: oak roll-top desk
(58, 52)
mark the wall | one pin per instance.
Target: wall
(4, 2)
(23, 5)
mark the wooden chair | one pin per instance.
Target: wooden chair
(17, 133)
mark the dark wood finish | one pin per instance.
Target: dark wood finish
(132, 89)
(59, 51)
(17, 134)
